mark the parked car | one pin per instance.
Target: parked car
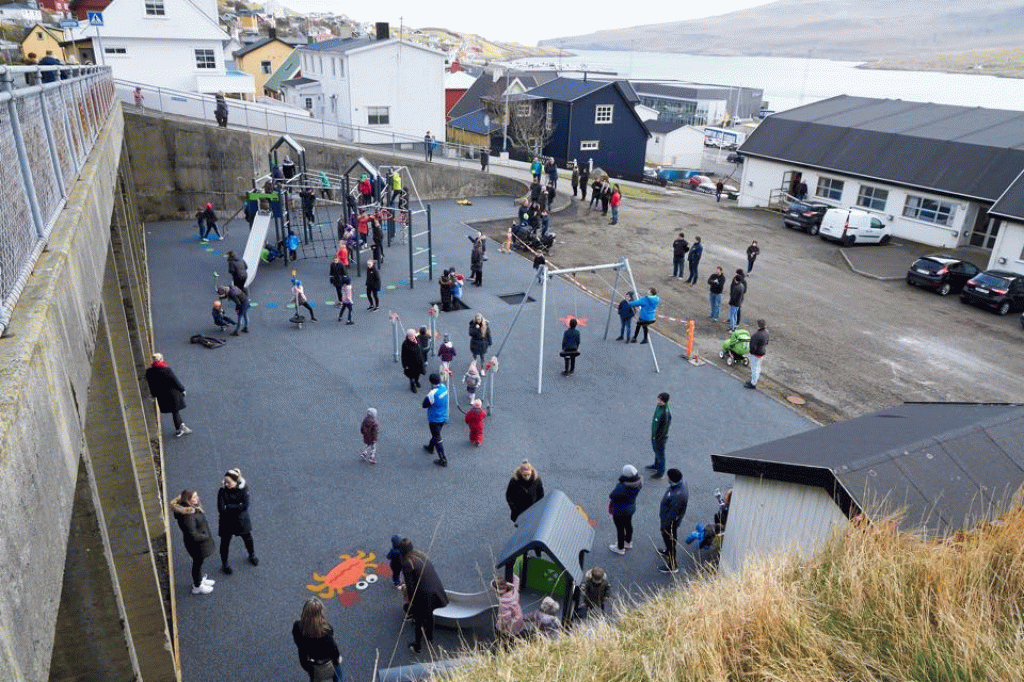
(998, 290)
(710, 187)
(942, 273)
(735, 157)
(851, 226)
(805, 215)
(695, 181)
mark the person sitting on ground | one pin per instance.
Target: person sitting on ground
(219, 318)
(595, 591)
(544, 621)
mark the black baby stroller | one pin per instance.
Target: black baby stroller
(526, 239)
(736, 348)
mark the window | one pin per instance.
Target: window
(205, 59)
(334, 66)
(378, 116)
(872, 198)
(829, 188)
(266, 67)
(603, 113)
(588, 145)
(549, 116)
(114, 50)
(155, 8)
(39, 35)
(929, 210)
(309, 103)
(523, 109)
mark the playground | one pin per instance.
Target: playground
(285, 404)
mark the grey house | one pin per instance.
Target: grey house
(947, 465)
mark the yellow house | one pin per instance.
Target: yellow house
(247, 20)
(262, 58)
(41, 38)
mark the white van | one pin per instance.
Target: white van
(853, 226)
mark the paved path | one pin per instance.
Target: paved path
(285, 405)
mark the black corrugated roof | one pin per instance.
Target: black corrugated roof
(1011, 203)
(486, 87)
(680, 91)
(338, 44)
(664, 126)
(473, 122)
(947, 463)
(960, 151)
(567, 89)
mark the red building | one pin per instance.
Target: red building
(58, 8)
(456, 84)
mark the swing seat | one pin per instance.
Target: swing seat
(466, 609)
(298, 320)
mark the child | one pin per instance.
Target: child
(625, 316)
(595, 591)
(299, 298)
(538, 262)
(346, 298)
(201, 221)
(545, 619)
(370, 429)
(395, 557)
(423, 338)
(475, 419)
(447, 353)
(460, 282)
(219, 318)
(292, 243)
(509, 622)
(472, 380)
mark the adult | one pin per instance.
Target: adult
(377, 240)
(436, 404)
(801, 191)
(719, 188)
(524, 489)
(168, 392)
(30, 77)
(485, 157)
(425, 590)
(622, 505)
(49, 76)
(670, 515)
(575, 179)
(696, 251)
(325, 187)
(648, 306)
(314, 638)
(606, 196)
(752, 253)
(428, 147)
(220, 110)
(535, 191)
(614, 200)
(396, 187)
(476, 258)
(446, 283)
(570, 347)
(660, 424)
(413, 365)
(233, 517)
(372, 285)
(596, 189)
(737, 291)
(210, 217)
(195, 531)
(716, 284)
(139, 97)
(238, 270)
(680, 247)
(552, 170)
(338, 272)
(242, 305)
(584, 179)
(479, 339)
(758, 349)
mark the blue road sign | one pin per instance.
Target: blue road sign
(68, 23)
(95, 18)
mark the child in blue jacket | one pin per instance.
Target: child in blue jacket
(626, 315)
(395, 557)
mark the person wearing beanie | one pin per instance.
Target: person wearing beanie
(474, 418)
(370, 428)
(595, 590)
(436, 404)
(211, 222)
(622, 506)
(168, 392)
(299, 298)
(412, 360)
(395, 557)
(233, 510)
(446, 353)
(659, 434)
(425, 590)
(670, 515)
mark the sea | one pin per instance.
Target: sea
(791, 82)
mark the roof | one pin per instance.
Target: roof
(946, 463)
(486, 87)
(55, 33)
(968, 152)
(473, 122)
(289, 67)
(298, 81)
(460, 80)
(555, 526)
(567, 89)
(664, 126)
(691, 91)
(1010, 203)
(258, 44)
(338, 45)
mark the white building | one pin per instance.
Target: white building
(934, 172)
(175, 44)
(674, 145)
(378, 91)
(20, 13)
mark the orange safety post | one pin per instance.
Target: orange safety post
(508, 241)
(689, 338)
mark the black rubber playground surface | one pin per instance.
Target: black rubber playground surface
(285, 405)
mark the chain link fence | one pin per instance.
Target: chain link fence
(50, 117)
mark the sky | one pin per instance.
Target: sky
(525, 22)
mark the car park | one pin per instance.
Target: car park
(850, 226)
(998, 290)
(805, 215)
(941, 273)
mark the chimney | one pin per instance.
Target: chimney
(456, 67)
(272, 32)
(383, 30)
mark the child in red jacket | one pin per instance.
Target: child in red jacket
(370, 429)
(475, 419)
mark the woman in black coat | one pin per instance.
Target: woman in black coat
(314, 638)
(425, 592)
(479, 339)
(372, 285)
(524, 489)
(196, 532)
(413, 364)
(168, 391)
(233, 509)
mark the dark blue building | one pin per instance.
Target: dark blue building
(592, 122)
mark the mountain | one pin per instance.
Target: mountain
(854, 30)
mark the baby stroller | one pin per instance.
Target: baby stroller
(525, 239)
(736, 348)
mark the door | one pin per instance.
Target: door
(874, 232)
(791, 183)
(985, 231)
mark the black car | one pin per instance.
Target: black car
(806, 216)
(942, 273)
(996, 289)
(735, 157)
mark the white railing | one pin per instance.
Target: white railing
(50, 117)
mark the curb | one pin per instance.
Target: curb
(869, 275)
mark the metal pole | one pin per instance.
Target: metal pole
(490, 389)
(611, 303)
(650, 338)
(54, 159)
(412, 272)
(430, 244)
(394, 334)
(543, 312)
(26, 170)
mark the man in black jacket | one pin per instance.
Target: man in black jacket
(736, 293)
(716, 283)
(679, 249)
(671, 513)
(758, 349)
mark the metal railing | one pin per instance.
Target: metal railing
(50, 117)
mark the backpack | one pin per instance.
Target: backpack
(207, 341)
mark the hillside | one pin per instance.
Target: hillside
(851, 30)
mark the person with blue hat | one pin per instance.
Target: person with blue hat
(299, 298)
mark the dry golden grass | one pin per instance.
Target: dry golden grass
(875, 605)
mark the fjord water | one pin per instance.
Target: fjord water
(790, 82)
